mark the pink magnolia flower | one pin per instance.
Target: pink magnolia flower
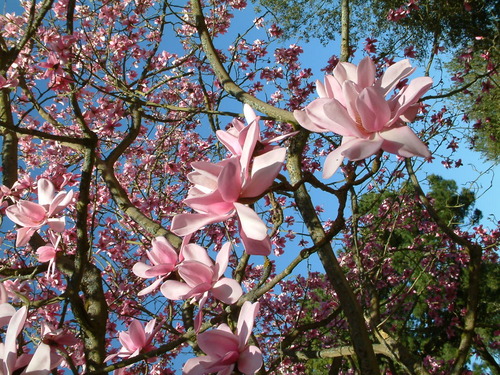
(221, 190)
(136, 340)
(353, 104)
(225, 350)
(240, 139)
(32, 216)
(37, 364)
(163, 260)
(201, 276)
(224, 189)
(56, 339)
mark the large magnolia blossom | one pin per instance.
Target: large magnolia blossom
(32, 216)
(224, 189)
(224, 350)
(353, 104)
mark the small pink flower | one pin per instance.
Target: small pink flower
(136, 340)
(201, 276)
(163, 260)
(353, 104)
(224, 350)
(32, 216)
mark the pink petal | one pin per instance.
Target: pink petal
(373, 109)
(251, 139)
(246, 319)
(334, 89)
(205, 174)
(175, 290)
(46, 191)
(229, 182)
(46, 253)
(332, 162)
(249, 113)
(265, 168)
(230, 141)
(6, 312)
(211, 204)
(394, 73)
(195, 273)
(321, 90)
(350, 93)
(250, 223)
(137, 335)
(40, 363)
(194, 366)
(365, 73)
(216, 343)
(404, 142)
(411, 94)
(163, 252)
(57, 224)
(184, 224)
(15, 327)
(250, 360)
(150, 288)
(24, 235)
(26, 214)
(256, 247)
(339, 120)
(303, 119)
(222, 259)
(345, 71)
(197, 253)
(60, 202)
(359, 149)
(227, 290)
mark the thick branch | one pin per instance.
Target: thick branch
(359, 334)
(227, 82)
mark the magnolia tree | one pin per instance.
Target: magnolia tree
(153, 225)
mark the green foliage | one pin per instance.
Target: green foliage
(448, 22)
(481, 99)
(452, 207)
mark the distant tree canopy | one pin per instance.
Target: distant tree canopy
(422, 23)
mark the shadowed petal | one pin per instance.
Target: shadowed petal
(265, 168)
(250, 360)
(216, 343)
(246, 319)
(175, 290)
(227, 290)
(250, 222)
(256, 247)
(358, 149)
(373, 109)
(365, 73)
